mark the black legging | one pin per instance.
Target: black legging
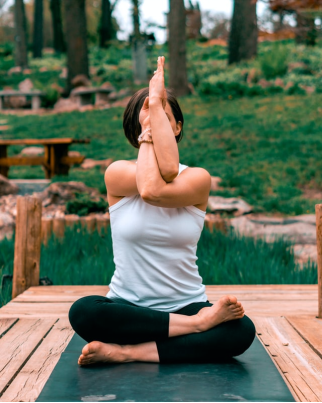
(121, 322)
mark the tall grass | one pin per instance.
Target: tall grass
(87, 259)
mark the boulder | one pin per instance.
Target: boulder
(218, 204)
(65, 105)
(59, 193)
(300, 230)
(90, 163)
(6, 219)
(32, 151)
(215, 180)
(304, 253)
(7, 187)
(26, 85)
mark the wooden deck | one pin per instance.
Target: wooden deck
(34, 331)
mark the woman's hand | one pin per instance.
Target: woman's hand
(144, 117)
(157, 92)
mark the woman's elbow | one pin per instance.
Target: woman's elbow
(169, 176)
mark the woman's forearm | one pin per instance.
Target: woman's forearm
(165, 145)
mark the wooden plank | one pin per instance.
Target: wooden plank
(43, 141)
(35, 310)
(68, 160)
(18, 344)
(310, 329)
(301, 366)
(30, 381)
(66, 289)
(318, 216)
(16, 161)
(6, 324)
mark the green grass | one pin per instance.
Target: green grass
(267, 150)
(87, 259)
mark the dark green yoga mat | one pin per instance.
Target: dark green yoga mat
(250, 377)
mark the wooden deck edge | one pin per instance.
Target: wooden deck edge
(288, 384)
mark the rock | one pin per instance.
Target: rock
(32, 151)
(289, 85)
(49, 51)
(304, 253)
(264, 83)
(65, 105)
(90, 163)
(6, 219)
(215, 180)
(308, 89)
(59, 193)
(300, 229)
(43, 69)
(108, 85)
(124, 92)
(14, 70)
(299, 66)
(26, 85)
(253, 76)
(27, 71)
(6, 187)
(233, 205)
(214, 221)
(93, 70)
(57, 87)
(85, 108)
(64, 73)
(279, 82)
(80, 81)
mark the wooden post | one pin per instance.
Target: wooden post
(318, 216)
(102, 223)
(71, 220)
(59, 227)
(88, 222)
(27, 244)
(46, 229)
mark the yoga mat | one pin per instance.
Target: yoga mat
(250, 377)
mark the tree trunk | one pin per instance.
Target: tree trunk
(178, 78)
(59, 42)
(136, 19)
(243, 32)
(21, 56)
(106, 30)
(306, 32)
(76, 38)
(38, 28)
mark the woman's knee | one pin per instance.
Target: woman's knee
(246, 335)
(82, 312)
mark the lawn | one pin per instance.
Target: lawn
(267, 150)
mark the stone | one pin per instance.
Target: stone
(6, 219)
(74, 154)
(121, 103)
(7, 187)
(26, 85)
(58, 193)
(232, 205)
(14, 70)
(57, 87)
(264, 83)
(43, 69)
(27, 71)
(279, 82)
(64, 73)
(215, 180)
(91, 163)
(298, 229)
(108, 85)
(32, 151)
(80, 81)
(308, 89)
(305, 253)
(288, 85)
(65, 105)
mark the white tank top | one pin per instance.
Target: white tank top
(155, 254)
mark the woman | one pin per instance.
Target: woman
(157, 309)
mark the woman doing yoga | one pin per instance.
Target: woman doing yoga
(157, 309)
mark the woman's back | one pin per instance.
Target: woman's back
(155, 254)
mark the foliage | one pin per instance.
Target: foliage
(274, 62)
(87, 259)
(83, 204)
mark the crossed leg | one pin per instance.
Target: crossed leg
(118, 332)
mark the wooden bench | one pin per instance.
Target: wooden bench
(34, 95)
(84, 95)
(55, 160)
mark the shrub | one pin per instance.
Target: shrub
(83, 205)
(274, 62)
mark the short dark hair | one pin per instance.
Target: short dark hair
(131, 124)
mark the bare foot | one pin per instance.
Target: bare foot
(225, 309)
(97, 351)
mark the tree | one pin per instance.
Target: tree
(76, 40)
(243, 32)
(38, 28)
(58, 42)
(178, 78)
(106, 29)
(139, 56)
(136, 19)
(21, 56)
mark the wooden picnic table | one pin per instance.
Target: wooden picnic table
(35, 97)
(55, 160)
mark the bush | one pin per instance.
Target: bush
(83, 205)
(274, 62)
